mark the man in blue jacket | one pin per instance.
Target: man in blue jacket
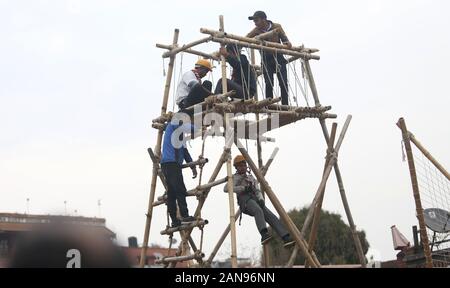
(174, 153)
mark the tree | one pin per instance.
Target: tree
(334, 244)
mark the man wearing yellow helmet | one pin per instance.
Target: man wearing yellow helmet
(251, 202)
(191, 90)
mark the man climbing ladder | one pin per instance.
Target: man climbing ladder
(173, 155)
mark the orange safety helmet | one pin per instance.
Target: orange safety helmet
(204, 63)
(238, 159)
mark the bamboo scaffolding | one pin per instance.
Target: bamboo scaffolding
(220, 104)
(158, 152)
(416, 193)
(337, 171)
(266, 106)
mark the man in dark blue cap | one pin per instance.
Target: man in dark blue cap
(272, 62)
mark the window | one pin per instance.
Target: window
(3, 247)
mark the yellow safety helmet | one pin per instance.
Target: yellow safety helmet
(238, 159)
(204, 63)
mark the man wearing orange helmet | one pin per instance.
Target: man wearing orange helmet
(251, 202)
(191, 90)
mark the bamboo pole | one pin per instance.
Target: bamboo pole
(292, 257)
(261, 43)
(194, 192)
(191, 51)
(229, 166)
(266, 35)
(298, 237)
(200, 189)
(238, 212)
(269, 162)
(337, 171)
(258, 140)
(303, 55)
(180, 258)
(222, 239)
(185, 47)
(416, 192)
(158, 152)
(308, 217)
(199, 162)
(318, 208)
(191, 225)
(321, 189)
(427, 154)
(156, 162)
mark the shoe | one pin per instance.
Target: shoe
(265, 237)
(176, 223)
(288, 241)
(188, 219)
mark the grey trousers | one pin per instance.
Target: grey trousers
(263, 215)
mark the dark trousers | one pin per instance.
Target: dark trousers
(263, 215)
(176, 191)
(241, 93)
(269, 70)
(197, 95)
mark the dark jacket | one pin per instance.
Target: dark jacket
(269, 58)
(243, 73)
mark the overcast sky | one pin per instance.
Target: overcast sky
(82, 80)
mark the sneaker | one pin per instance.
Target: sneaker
(188, 219)
(288, 241)
(265, 237)
(176, 223)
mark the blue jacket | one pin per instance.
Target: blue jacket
(171, 154)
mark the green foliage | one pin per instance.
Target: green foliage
(334, 244)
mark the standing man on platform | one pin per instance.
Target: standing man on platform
(272, 62)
